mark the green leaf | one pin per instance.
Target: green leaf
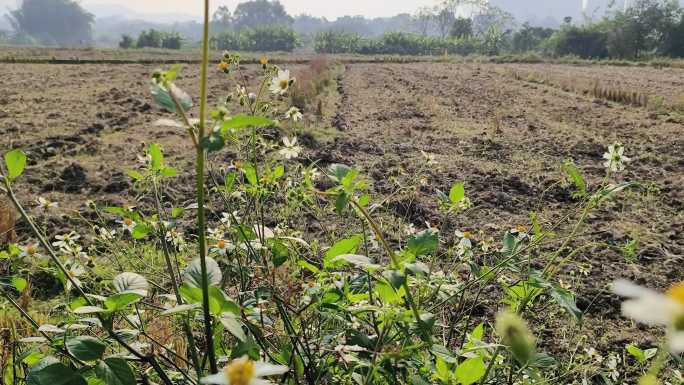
(567, 301)
(233, 325)
(219, 303)
(542, 361)
(338, 171)
(229, 182)
(470, 371)
(161, 96)
(575, 175)
(213, 142)
(168, 172)
(19, 284)
(425, 243)
(115, 371)
(251, 174)
(86, 348)
(344, 246)
(15, 161)
(444, 354)
(50, 371)
(457, 192)
(637, 353)
(32, 358)
(388, 294)
(192, 275)
(341, 202)
(280, 252)
(141, 231)
(120, 301)
(156, 156)
(478, 333)
(131, 283)
(135, 175)
(243, 121)
(357, 260)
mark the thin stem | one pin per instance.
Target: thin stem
(174, 284)
(201, 215)
(37, 327)
(491, 365)
(184, 116)
(395, 264)
(53, 256)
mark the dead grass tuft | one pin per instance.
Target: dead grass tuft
(7, 222)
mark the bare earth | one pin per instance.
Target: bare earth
(83, 127)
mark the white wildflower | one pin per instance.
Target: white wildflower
(294, 114)
(281, 83)
(615, 158)
(291, 149)
(244, 371)
(654, 308)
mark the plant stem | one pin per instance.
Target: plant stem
(53, 256)
(396, 265)
(174, 284)
(201, 215)
(491, 365)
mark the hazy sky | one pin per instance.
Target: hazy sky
(327, 8)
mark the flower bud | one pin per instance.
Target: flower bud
(516, 335)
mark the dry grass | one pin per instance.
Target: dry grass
(311, 81)
(7, 222)
(596, 88)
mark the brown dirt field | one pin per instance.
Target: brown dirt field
(83, 126)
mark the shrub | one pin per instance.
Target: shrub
(172, 41)
(149, 39)
(266, 39)
(393, 43)
(585, 42)
(126, 42)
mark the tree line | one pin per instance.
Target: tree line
(646, 28)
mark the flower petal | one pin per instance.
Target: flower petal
(265, 369)
(652, 310)
(218, 379)
(629, 289)
(676, 342)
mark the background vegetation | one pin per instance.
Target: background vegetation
(647, 28)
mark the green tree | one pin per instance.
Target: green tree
(530, 38)
(673, 43)
(150, 39)
(586, 42)
(172, 40)
(260, 13)
(641, 28)
(126, 42)
(222, 19)
(444, 19)
(462, 28)
(53, 22)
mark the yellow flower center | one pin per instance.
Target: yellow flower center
(223, 66)
(128, 222)
(240, 372)
(676, 293)
(468, 235)
(221, 244)
(284, 84)
(263, 61)
(521, 229)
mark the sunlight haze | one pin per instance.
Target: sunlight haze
(327, 8)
